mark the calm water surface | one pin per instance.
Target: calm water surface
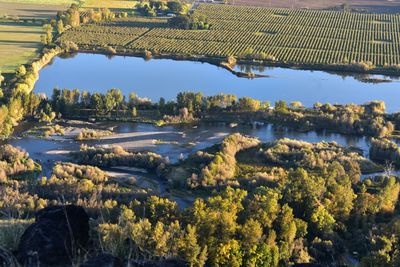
(165, 78)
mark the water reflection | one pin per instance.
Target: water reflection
(165, 78)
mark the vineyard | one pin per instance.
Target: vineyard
(281, 35)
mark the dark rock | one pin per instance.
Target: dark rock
(56, 236)
(103, 260)
(73, 217)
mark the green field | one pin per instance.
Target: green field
(283, 35)
(18, 44)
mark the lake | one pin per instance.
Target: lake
(165, 78)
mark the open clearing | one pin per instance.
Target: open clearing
(283, 35)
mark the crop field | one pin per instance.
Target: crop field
(284, 35)
(112, 4)
(389, 6)
(18, 44)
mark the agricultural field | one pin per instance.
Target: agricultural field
(19, 44)
(41, 2)
(279, 35)
(20, 41)
(112, 4)
(389, 6)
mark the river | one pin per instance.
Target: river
(178, 141)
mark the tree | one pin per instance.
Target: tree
(189, 249)
(133, 100)
(21, 72)
(97, 103)
(263, 206)
(60, 26)
(264, 255)
(134, 112)
(281, 106)
(113, 100)
(85, 99)
(323, 221)
(180, 22)
(251, 234)
(229, 254)
(49, 33)
(175, 7)
(46, 113)
(161, 209)
(74, 18)
(249, 104)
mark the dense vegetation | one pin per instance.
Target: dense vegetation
(250, 203)
(117, 156)
(294, 216)
(14, 161)
(349, 41)
(368, 119)
(233, 162)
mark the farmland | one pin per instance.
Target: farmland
(279, 36)
(20, 41)
(18, 44)
(387, 6)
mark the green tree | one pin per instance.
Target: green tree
(113, 100)
(60, 26)
(229, 254)
(323, 221)
(49, 33)
(175, 7)
(97, 103)
(249, 104)
(281, 106)
(251, 234)
(189, 249)
(263, 205)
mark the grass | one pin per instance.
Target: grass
(11, 231)
(19, 44)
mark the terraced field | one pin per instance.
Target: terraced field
(282, 35)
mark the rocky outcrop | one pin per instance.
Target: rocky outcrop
(56, 236)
